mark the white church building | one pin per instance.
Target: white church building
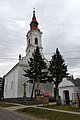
(14, 79)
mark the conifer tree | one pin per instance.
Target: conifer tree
(37, 70)
(57, 70)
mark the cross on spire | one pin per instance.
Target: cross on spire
(33, 12)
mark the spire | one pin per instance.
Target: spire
(34, 23)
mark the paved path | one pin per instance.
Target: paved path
(64, 111)
(19, 106)
(13, 108)
(38, 106)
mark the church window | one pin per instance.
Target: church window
(5, 88)
(36, 41)
(11, 85)
(29, 42)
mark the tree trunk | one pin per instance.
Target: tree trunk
(32, 90)
(57, 96)
(38, 87)
(56, 89)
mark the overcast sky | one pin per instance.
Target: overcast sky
(59, 20)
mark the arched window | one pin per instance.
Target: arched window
(11, 85)
(29, 42)
(36, 41)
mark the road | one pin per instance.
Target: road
(7, 115)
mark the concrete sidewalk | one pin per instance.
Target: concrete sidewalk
(56, 110)
(13, 108)
(19, 106)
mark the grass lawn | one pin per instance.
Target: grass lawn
(63, 107)
(6, 104)
(49, 115)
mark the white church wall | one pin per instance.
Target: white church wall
(11, 84)
(24, 60)
(36, 34)
(32, 35)
(21, 81)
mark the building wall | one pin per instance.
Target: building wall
(31, 35)
(21, 81)
(67, 85)
(11, 84)
(14, 80)
(71, 90)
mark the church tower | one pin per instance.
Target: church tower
(33, 36)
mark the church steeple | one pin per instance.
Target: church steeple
(33, 36)
(34, 23)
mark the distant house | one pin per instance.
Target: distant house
(68, 90)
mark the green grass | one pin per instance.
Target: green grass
(63, 107)
(49, 115)
(6, 104)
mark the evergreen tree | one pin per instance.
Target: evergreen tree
(57, 70)
(37, 70)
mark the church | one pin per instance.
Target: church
(14, 79)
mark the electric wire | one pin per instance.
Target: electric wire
(4, 57)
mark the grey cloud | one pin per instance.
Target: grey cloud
(59, 21)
